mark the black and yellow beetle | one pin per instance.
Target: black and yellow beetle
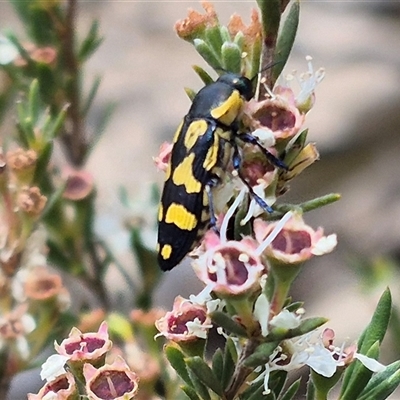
(204, 143)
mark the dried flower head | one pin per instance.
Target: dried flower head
(14, 327)
(39, 284)
(22, 164)
(195, 23)
(31, 201)
(251, 33)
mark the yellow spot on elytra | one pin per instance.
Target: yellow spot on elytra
(160, 212)
(183, 175)
(168, 171)
(178, 214)
(205, 198)
(177, 133)
(166, 251)
(229, 110)
(194, 131)
(212, 155)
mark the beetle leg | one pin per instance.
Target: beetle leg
(213, 219)
(236, 161)
(248, 138)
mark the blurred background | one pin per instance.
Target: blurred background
(355, 123)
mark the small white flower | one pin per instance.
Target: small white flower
(325, 245)
(8, 52)
(286, 319)
(308, 82)
(261, 313)
(197, 328)
(53, 367)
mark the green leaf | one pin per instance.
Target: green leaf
(42, 163)
(34, 101)
(120, 326)
(190, 392)
(291, 391)
(230, 358)
(223, 320)
(177, 360)
(377, 328)
(218, 364)
(261, 355)
(214, 39)
(199, 386)
(57, 123)
(254, 392)
(100, 126)
(374, 332)
(207, 53)
(231, 56)
(190, 93)
(270, 17)
(205, 374)
(92, 94)
(307, 325)
(277, 381)
(382, 384)
(286, 39)
(90, 43)
(204, 76)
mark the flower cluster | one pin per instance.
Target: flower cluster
(81, 357)
(249, 261)
(30, 289)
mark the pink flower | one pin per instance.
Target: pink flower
(344, 356)
(230, 268)
(85, 347)
(79, 184)
(162, 160)
(111, 381)
(186, 322)
(63, 387)
(277, 114)
(296, 242)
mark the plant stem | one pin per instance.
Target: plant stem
(75, 144)
(241, 371)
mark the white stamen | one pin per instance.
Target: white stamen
(244, 258)
(275, 232)
(229, 214)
